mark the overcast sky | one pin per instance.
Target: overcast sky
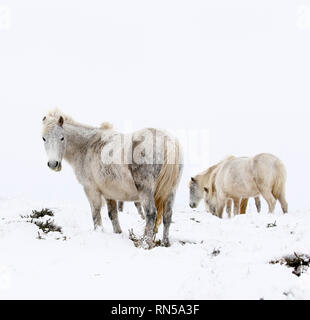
(236, 71)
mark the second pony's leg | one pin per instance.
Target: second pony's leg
(139, 208)
(283, 202)
(258, 204)
(236, 206)
(243, 205)
(220, 208)
(228, 207)
(268, 196)
(112, 210)
(120, 206)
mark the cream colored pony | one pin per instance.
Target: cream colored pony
(237, 178)
(196, 187)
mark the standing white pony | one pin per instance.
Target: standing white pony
(237, 178)
(120, 204)
(144, 167)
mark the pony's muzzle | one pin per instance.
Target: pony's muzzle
(192, 205)
(54, 165)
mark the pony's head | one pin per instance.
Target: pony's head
(54, 140)
(195, 193)
(210, 200)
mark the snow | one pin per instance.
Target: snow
(85, 264)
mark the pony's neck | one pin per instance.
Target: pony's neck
(78, 137)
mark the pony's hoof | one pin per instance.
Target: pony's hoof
(146, 243)
(150, 245)
(166, 243)
(116, 228)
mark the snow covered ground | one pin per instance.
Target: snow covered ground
(209, 258)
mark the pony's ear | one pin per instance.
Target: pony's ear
(61, 121)
(206, 190)
(43, 119)
(193, 179)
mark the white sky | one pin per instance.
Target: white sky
(238, 69)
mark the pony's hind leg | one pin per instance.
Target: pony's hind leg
(112, 210)
(120, 206)
(167, 219)
(95, 200)
(140, 210)
(268, 196)
(283, 203)
(258, 204)
(228, 207)
(150, 217)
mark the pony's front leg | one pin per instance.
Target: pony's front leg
(220, 208)
(258, 204)
(113, 214)
(236, 206)
(228, 207)
(95, 200)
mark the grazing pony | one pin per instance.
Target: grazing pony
(144, 167)
(237, 178)
(196, 190)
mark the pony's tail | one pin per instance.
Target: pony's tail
(278, 188)
(166, 183)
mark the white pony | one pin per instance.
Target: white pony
(237, 178)
(196, 192)
(143, 167)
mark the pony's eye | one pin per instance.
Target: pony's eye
(62, 139)
(44, 139)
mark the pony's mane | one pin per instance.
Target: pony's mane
(106, 126)
(228, 158)
(204, 178)
(54, 115)
(203, 173)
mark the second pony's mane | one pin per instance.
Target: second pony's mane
(204, 176)
(213, 172)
